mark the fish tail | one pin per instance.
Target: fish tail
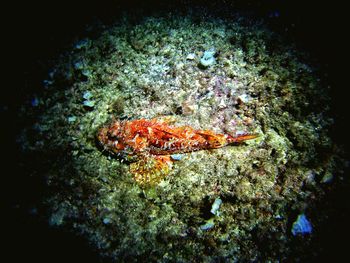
(241, 138)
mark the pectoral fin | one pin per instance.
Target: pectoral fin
(150, 170)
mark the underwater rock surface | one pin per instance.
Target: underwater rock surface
(301, 226)
(149, 69)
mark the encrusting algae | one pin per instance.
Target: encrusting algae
(151, 142)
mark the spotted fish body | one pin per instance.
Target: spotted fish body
(151, 142)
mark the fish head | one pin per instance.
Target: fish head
(110, 137)
(113, 140)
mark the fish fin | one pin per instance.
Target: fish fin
(150, 170)
(214, 140)
(168, 119)
(165, 119)
(167, 132)
(241, 138)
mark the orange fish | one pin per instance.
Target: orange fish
(152, 142)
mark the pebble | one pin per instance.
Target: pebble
(208, 225)
(208, 58)
(176, 157)
(191, 56)
(215, 207)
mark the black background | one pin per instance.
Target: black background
(42, 30)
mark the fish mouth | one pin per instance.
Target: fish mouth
(107, 142)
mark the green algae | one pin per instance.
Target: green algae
(141, 70)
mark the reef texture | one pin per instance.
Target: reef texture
(151, 68)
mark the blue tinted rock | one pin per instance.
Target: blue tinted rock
(215, 207)
(35, 102)
(89, 103)
(82, 44)
(208, 225)
(208, 58)
(106, 220)
(301, 226)
(327, 178)
(79, 65)
(176, 157)
(87, 95)
(72, 119)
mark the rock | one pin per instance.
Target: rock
(208, 225)
(301, 226)
(191, 56)
(208, 58)
(89, 103)
(215, 207)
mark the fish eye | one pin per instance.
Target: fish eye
(112, 136)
